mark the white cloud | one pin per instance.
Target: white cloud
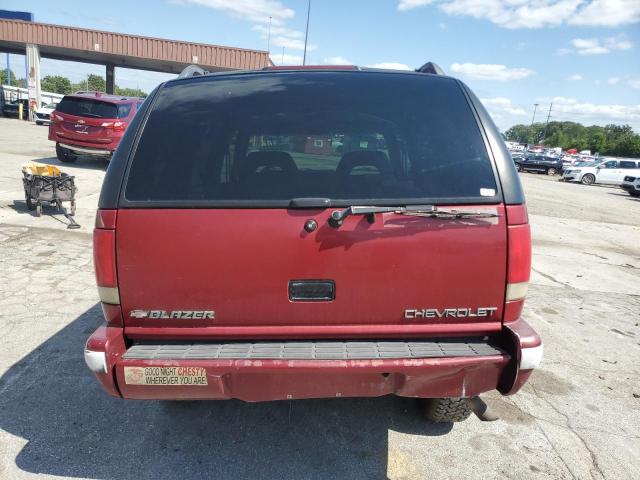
(337, 61)
(571, 109)
(575, 77)
(608, 13)
(261, 12)
(613, 80)
(276, 30)
(404, 5)
(499, 105)
(292, 43)
(597, 46)
(500, 73)
(634, 82)
(257, 11)
(539, 13)
(286, 59)
(391, 66)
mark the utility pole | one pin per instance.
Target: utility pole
(547, 124)
(535, 107)
(306, 34)
(269, 37)
(8, 70)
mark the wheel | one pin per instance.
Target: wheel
(519, 167)
(59, 205)
(38, 209)
(447, 409)
(634, 194)
(30, 205)
(64, 155)
(552, 171)
(588, 179)
(38, 123)
(72, 209)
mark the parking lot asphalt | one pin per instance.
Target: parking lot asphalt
(578, 417)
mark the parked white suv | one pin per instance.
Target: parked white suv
(608, 171)
(631, 184)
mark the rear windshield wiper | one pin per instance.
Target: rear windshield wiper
(431, 211)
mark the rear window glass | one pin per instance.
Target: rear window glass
(268, 138)
(84, 107)
(627, 164)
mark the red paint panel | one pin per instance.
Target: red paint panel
(513, 310)
(517, 214)
(238, 262)
(263, 380)
(111, 341)
(311, 331)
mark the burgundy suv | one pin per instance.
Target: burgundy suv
(90, 123)
(313, 232)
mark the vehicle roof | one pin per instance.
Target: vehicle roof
(307, 69)
(104, 97)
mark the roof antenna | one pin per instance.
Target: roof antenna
(432, 68)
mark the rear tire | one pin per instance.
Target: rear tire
(519, 167)
(442, 410)
(552, 172)
(588, 179)
(38, 209)
(64, 155)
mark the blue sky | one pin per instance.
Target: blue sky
(584, 55)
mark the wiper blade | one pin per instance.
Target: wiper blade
(430, 211)
(337, 217)
(453, 214)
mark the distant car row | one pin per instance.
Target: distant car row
(529, 162)
(606, 171)
(40, 115)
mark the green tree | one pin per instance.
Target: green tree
(15, 82)
(130, 92)
(609, 140)
(56, 84)
(3, 77)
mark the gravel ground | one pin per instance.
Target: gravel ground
(578, 417)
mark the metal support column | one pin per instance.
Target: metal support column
(111, 78)
(33, 78)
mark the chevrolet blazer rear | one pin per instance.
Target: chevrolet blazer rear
(307, 233)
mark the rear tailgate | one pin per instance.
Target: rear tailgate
(211, 239)
(397, 271)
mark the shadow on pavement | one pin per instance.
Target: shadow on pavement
(74, 429)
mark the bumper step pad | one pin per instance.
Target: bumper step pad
(312, 350)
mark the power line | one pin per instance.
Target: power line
(544, 135)
(306, 34)
(535, 107)
(269, 37)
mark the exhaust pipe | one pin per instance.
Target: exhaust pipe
(482, 410)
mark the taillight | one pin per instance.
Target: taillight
(104, 261)
(55, 118)
(117, 126)
(518, 261)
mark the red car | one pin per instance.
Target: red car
(307, 233)
(90, 123)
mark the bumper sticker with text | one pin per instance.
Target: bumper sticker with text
(182, 376)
